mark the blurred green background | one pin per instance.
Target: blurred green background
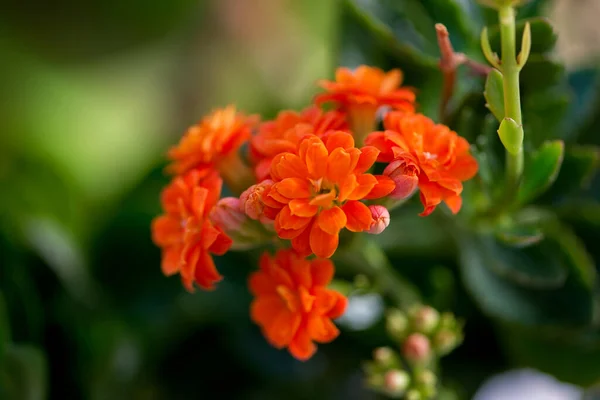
(91, 96)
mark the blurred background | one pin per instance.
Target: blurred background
(91, 96)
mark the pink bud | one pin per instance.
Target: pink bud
(251, 203)
(416, 348)
(227, 214)
(404, 173)
(381, 219)
(396, 381)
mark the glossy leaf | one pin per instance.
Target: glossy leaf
(494, 94)
(494, 276)
(25, 373)
(544, 111)
(541, 171)
(520, 236)
(541, 72)
(579, 166)
(570, 357)
(585, 89)
(511, 135)
(543, 36)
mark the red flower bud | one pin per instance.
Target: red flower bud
(416, 348)
(404, 172)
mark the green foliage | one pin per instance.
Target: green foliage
(541, 171)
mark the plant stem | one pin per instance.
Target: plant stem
(366, 256)
(512, 97)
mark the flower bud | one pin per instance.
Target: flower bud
(416, 348)
(425, 319)
(251, 203)
(383, 355)
(396, 381)
(413, 394)
(227, 215)
(445, 341)
(381, 219)
(426, 378)
(396, 323)
(404, 173)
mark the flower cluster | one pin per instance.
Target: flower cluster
(300, 179)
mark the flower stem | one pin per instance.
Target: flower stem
(512, 97)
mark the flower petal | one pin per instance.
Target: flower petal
(322, 243)
(302, 208)
(332, 220)
(338, 165)
(385, 185)
(322, 271)
(368, 156)
(301, 346)
(293, 188)
(359, 217)
(288, 165)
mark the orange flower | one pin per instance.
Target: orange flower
(362, 91)
(317, 192)
(185, 234)
(214, 143)
(292, 304)
(279, 135)
(416, 146)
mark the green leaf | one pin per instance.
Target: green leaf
(496, 277)
(541, 171)
(571, 357)
(543, 36)
(494, 94)
(584, 85)
(4, 327)
(530, 266)
(511, 135)
(544, 111)
(520, 236)
(388, 41)
(578, 168)
(541, 72)
(25, 373)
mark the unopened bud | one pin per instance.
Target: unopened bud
(426, 378)
(396, 323)
(445, 341)
(396, 381)
(383, 355)
(227, 215)
(375, 381)
(416, 348)
(426, 319)
(381, 219)
(413, 394)
(251, 202)
(404, 173)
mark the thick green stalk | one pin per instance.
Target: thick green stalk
(512, 96)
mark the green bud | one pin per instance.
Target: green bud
(445, 341)
(396, 323)
(413, 394)
(487, 49)
(375, 381)
(425, 319)
(384, 356)
(494, 93)
(511, 135)
(426, 378)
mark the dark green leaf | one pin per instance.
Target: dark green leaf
(494, 94)
(462, 19)
(543, 113)
(541, 171)
(386, 38)
(520, 236)
(529, 266)
(571, 357)
(541, 72)
(579, 166)
(543, 36)
(584, 85)
(25, 373)
(496, 275)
